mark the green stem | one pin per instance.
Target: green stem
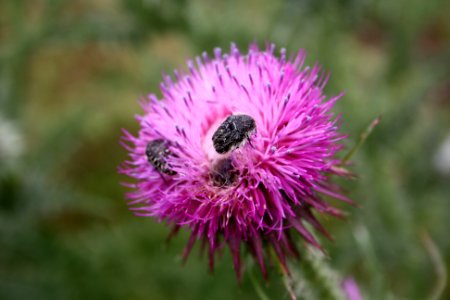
(438, 264)
(362, 138)
(288, 284)
(259, 291)
(322, 275)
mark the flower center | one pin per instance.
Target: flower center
(223, 172)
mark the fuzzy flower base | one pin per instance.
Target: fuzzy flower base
(261, 192)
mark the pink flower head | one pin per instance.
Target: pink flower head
(264, 187)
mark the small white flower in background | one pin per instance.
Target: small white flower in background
(11, 142)
(441, 159)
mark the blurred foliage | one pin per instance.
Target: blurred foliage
(70, 76)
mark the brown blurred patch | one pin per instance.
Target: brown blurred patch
(58, 71)
(371, 34)
(440, 94)
(172, 48)
(434, 37)
(70, 220)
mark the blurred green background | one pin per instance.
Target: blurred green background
(71, 73)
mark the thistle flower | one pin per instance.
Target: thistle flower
(261, 190)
